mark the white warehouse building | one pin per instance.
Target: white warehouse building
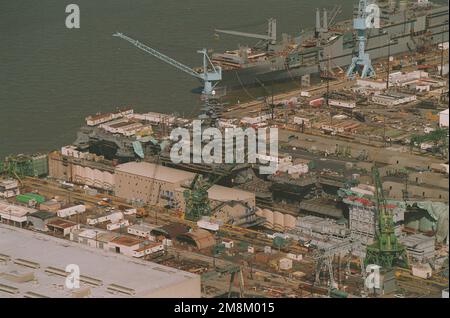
(392, 99)
(443, 118)
(102, 274)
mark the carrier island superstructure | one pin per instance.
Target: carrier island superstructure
(405, 26)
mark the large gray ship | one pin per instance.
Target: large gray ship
(405, 26)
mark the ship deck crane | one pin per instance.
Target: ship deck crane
(271, 32)
(209, 75)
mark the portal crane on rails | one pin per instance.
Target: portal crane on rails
(362, 60)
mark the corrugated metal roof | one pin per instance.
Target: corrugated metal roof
(202, 238)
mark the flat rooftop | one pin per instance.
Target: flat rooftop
(416, 240)
(14, 210)
(158, 172)
(110, 272)
(224, 194)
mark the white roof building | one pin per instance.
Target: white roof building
(102, 274)
(15, 213)
(443, 118)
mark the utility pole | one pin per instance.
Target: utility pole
(442, 54)
(389, 64)
(272, 105)
(328, 89)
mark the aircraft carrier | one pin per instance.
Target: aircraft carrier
(405, 26)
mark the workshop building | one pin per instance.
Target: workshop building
(153, 184)
(392, 98)
(443, 119)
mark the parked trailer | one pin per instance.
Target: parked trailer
(117, 225)
(113, 217)
(208, 225)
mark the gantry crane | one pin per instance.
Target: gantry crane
(387, 251)
(209, 75)
(233, 270)
(363, 59)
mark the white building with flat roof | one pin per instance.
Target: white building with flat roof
(443, 118)
(14, 214)
(392, 98)
(9, 188)
(102, 274)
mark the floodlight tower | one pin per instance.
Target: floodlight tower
(363, 59)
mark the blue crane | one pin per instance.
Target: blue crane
(363, 59)
(208, 76)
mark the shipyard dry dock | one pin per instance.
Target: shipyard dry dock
(33, 265)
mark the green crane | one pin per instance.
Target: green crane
(387, 251)
(196, 197)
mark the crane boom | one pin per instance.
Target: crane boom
(210, 73)
(245, 34)
(271, 32)
(159, 55)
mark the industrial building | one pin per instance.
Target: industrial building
(83, 168)
(9, 188)
(62, 227)
(39, 220)
(14, 214)
(420, 248)
(140, 230)
(23, 263)
(319, 231)
(392, 98)
(153, 184)
(443, 118)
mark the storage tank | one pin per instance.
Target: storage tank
(289, 221)
(268, 215)
(278, 219)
